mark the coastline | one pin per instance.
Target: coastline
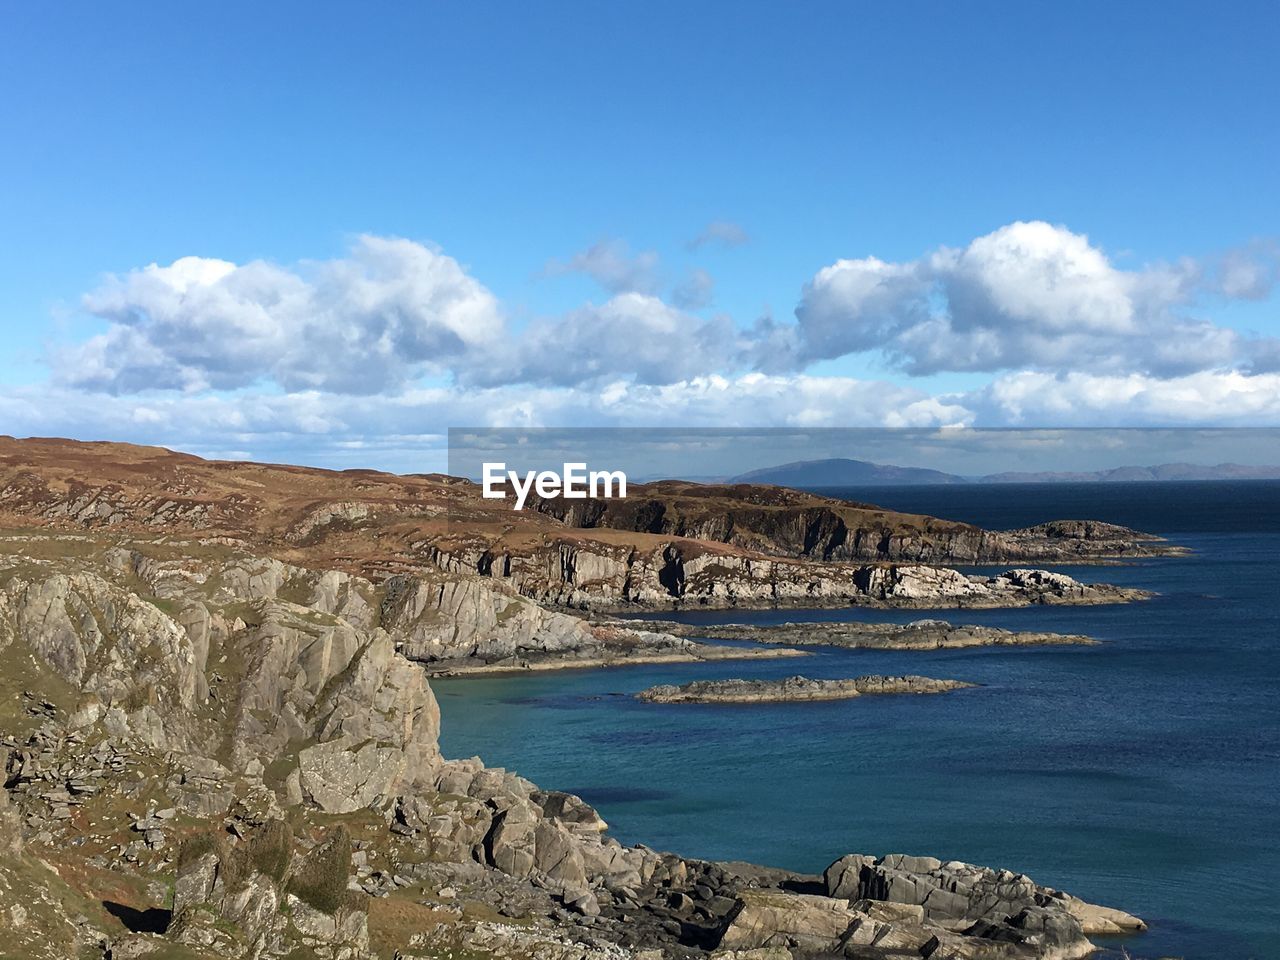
(524, 666)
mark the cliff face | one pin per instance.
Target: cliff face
(790, 523)
(215, 660)
(588, 574)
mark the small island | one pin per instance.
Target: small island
(859, 635)
(794, 689)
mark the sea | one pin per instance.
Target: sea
(1143, 773)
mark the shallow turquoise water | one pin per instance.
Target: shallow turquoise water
(1142, 773)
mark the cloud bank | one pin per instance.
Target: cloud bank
(370, 322)
(396, 340)
(1029, 295)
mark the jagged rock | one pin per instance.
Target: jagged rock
(111, 644)
(342, 935)
(954, 891)
(344, 775)
(292, 679)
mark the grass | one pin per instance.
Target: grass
(321, 879)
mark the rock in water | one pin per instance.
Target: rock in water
(794, 689)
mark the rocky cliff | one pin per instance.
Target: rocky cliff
(589, 574)
(212, 754)
(790, 523)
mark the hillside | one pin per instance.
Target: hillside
(771, 542)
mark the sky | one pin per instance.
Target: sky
(325, 233)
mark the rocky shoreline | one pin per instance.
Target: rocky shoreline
(231, 756)
(219, 739)
(853, 635)
(606, 578)
(794, 689)
(662, 649)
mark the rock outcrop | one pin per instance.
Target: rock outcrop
(978, 899)
(794, 689)
(917, 635)
(921, 907)
(373, 523)
(689, 573)
(790, 523)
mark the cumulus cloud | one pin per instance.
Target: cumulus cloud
(1029, 294)
(367, 323)
(631, 335)
(611, 264)
(327, 360)
(722, 233)
(756, 399)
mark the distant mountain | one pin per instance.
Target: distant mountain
(1160, 472)
(842, 472)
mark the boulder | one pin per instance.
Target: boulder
(771, 918)
(342, 776)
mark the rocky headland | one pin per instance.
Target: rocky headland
(791, 523)
(794, 689)
(212, 754)
(219, 738)
(917, 635)
(670, 543)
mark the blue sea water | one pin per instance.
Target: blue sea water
(1142, 773)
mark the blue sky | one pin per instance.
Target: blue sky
(515, 139)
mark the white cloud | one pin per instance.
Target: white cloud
(611, 264)
(394, 431)
(1030, 294)
(630, 335)
(368, 323)
(1220, 398)
(759, 400)
(405, 431)
(325, 361)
